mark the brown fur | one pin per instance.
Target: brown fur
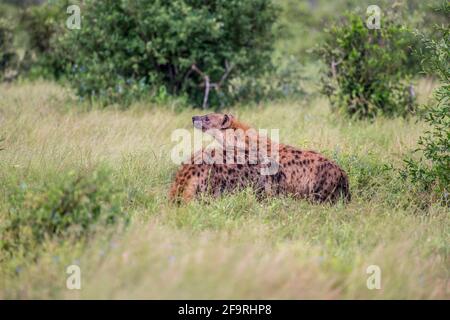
(302, 174)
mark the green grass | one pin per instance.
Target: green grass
(232, 247)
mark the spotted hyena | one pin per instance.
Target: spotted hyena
(246, 159)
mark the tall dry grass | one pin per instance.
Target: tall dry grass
(235, 246)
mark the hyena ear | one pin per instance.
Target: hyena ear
(226, 122)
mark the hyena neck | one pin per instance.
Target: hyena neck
(236, 125)
(248, 136)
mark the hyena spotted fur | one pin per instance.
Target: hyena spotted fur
(250, 160)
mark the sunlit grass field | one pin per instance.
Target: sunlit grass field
(232, 247)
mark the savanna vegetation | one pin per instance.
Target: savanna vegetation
(86, 118)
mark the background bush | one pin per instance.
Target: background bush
(141, 52)
(127, 48)
(432, 170)
(44, 24)
(8, 55)
(366, 73)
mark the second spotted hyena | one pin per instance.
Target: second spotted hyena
(247, 159)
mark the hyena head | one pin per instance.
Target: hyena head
(217, 121)
(220, 126)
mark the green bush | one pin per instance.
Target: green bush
(432, 170)
(126, 49)
(366, 69)
(44, 24)
(8, 56)
(71, 207)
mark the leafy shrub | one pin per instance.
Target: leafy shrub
(44, 24)
(127, 48)
(366, 68)
(8, 56)
(432, 170)
(72, 207)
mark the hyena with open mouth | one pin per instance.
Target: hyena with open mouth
(247, 159)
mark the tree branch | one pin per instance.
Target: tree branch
(207, 83)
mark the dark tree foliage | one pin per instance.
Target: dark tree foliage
(8, 56)
(127, 48)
